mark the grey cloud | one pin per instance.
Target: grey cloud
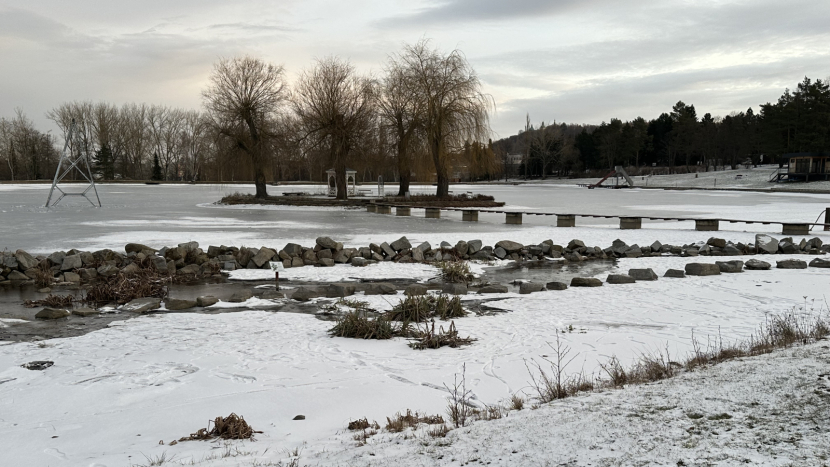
(454, 11)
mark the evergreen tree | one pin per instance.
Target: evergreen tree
(157, 174)
(103, 162)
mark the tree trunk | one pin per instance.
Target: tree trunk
(259, 181)
(403, 169)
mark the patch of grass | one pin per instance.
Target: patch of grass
(362, 424)
(428, 338)
(401, 422)
(121, 288)
(456, 271)
(54, 301)
(517, 402)
(358, 325)
(720, 416)
(231, 427)
(421, 308)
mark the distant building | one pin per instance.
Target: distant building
(806, 166)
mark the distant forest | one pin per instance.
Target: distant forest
(679, 140)
(141, 141)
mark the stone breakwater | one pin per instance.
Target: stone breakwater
(189, 261)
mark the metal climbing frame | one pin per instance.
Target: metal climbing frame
(81, 163)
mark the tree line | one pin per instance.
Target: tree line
(679, 140)
(423, 117)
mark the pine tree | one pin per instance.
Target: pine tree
(157, 175)
(103, 163)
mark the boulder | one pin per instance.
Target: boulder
(138, 248)
(791, 264)
(757, 265)
(72, 277)
(206, 300)
(509, 246)
(292, 249)
(84, 312)
(339, 290)
(297, 262)
(71, 262)
(51, 313)
(380, 288)
(387, 250)
(326, 243)
(716, 242)
(461, 248)
(17, 276)
(575, 244)
(241, 296)
(702, 269)
(159, 263)
(646, 274)
(25, 260)
(400, 244)
(356, 261)
(56, 258)
(500, 253)
(272, 295)
(656, 246)
(415, 289)
(304, 294)
(8, 261)
(176, 304)
(731, 250)
(618, 247)
(329, 263)
(634, 252)
(586, 282)
(454, 289)
(473, 246)
(190, 269)
(766, 244)
(481, 255)
(493, 288)
(423, 247)
(530, 287)
(620, 279)
(730, 266)
(675, 273)
(142, 305)
(788, 248)
(107, 270)
(131, 269)
(188, 247)
(417, 255)
(264, 255)
(556, 285)
(820, 263)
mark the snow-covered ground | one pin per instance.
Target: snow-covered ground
(113, 394)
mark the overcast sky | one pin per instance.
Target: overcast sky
(578, 61)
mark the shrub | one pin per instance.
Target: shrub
(418, 309)
(429, 339)
(456, 271)
(357, 325)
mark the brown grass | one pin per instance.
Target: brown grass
(54, 301)
(422, 308)
(231, 427)
(357, 325)
(121, 288)
(428, 338)
(401, 422)
(456, 272)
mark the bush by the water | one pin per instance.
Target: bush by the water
(456, 271)
(356, 324)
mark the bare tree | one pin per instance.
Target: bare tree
(455, 110)
(335, 107)
(244, 98)
(401, 115)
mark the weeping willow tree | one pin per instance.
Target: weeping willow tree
(335, 107)
(453, 108)
(244, 102)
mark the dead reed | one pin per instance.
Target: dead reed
(231, 427)
(428, 338)
(422, 308)
(121, 288)
(53, 301)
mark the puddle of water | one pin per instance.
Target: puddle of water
(543, 271)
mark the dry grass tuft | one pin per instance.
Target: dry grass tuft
(456, 271)
(231, 427)
(54, 301)
(401, 422)
(358, 325)
(422, 308)
(429, 339)
(362, 424)
(121, 288)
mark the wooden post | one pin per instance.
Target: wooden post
(513, 218)
(432, 213)
(277, 278)
(631, 223)
(469, 215)
(566, 221)
(827, 219)
(403, 211)
(707, 225)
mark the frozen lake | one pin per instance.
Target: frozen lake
(160, 215)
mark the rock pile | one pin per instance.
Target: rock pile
(189, 260)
